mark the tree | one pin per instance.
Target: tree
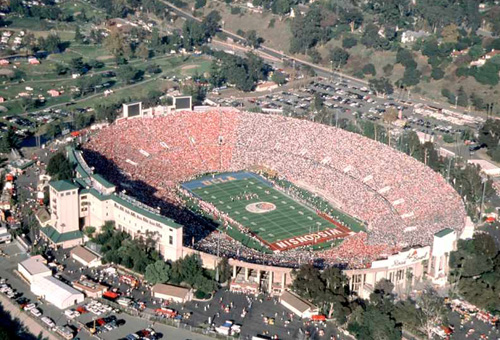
(433, 311)
(157, 272)
(462, 98)
(254, 40)
(76, 64)
(199, 4)
(210, 23)
(128, 74)
(369, 69)
(381, 86)
(349, 42)
(61, 69)
(143, 51)
(411, 77)
(487, 74)
(314, 55)
(116, 44)
(79, 37)
(52, 43)
(405, 58)
(279, 78)
(89, 231)
(339, 56)
(437, 73)
(59, 167)
(9, 141)
(450, 33)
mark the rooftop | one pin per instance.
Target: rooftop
(84, 254)
(56, 237)
(34, 265)
(102, 181)
(444, 232)
(296, 302)
(63, 185)
(170, 290)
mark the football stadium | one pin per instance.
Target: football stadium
(275, 190)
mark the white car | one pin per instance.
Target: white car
(36, 312)
(30, 306)
(71, 314)
(48, 321)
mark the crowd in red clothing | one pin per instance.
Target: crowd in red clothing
(402, 201)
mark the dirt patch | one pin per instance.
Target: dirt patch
(104, 57)
(188, 67)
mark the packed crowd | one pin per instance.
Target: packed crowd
(402, 201)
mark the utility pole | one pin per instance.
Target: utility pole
(482, 199)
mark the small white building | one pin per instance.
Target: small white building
(34, 268)
(5, 236)
(56, 292)
(85, 257)
(487, 168)
(409, 37)
(172, 293)
(297, 305)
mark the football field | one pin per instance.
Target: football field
(275, 218)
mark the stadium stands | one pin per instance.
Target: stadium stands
(402, 201)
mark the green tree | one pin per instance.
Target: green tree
(200, 4)
(279, 78)
(211, 24)
(437, 73)
(128, 74)
(253, 39)
(157, 272)
(381, 86)
(79, 37)
(143, 51)
(339, 56)
(369, 69)
(59, 167)
(349, 42)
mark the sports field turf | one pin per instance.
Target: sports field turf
(287, 220)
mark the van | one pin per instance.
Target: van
(123, 301)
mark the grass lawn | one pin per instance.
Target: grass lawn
(278, 37)
(254, 203)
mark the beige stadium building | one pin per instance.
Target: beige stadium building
(90, 200)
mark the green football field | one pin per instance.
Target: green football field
(281, 217)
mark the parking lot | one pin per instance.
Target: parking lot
(344, 100)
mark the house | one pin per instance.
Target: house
(409, 37)
(54, 93)
(297, 305)
(33, 268)
(491, 54)
(266, 86)
(172, 293)
(4, 62)
(456, 53)
(33, 61)
(478, 63)
(85, 257)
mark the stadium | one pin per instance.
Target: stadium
(281, 191)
